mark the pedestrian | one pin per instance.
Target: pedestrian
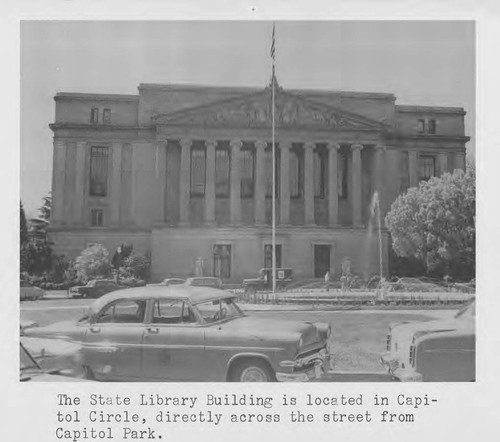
(343, 282)
(327, 280)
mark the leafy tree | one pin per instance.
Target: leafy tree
(93, 263)
(36, 256)
(137, 265)
(39, 225)
(435, 224)
(23, 225)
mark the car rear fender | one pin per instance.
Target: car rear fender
(247, 355)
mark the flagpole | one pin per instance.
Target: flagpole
(274, 171)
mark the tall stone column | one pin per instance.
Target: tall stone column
(379, 175)
(333, 191)
(161, 180)
(413, 168)
(210, 182)
(235, 188)
(309, 184)
(459, 160)
(356, 199)
(260, 183)
(79, 196)
(185, 181)
(285, 147)
(442, 163)
(58, 183)
(116, 185)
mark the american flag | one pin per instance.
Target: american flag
(273, 47)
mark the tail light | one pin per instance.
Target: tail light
(412, 354)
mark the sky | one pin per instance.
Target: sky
(420, 62)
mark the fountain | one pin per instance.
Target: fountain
(375, 215)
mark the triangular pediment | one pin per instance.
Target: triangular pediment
(254, 111)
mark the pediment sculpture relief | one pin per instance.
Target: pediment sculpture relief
(256, 112)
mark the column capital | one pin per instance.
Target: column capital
(185, 142)
(332, 145)
(357, 146)
(309, 145)
(286, 144)
(380, 148)
(211, 142)
(260, 144)
(236, 143)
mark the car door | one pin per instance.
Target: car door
(113, 340)
(173, 343)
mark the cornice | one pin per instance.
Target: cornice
(430, 109)
(72, 96)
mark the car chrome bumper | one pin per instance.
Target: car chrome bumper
(391, 361)
(321, 361)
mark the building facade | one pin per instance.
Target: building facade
(185, 173)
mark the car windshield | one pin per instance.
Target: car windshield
(223, 309)
(27, 362)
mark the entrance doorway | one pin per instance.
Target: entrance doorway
(321, 260)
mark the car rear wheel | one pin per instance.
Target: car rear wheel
(252, 370)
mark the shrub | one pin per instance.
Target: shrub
(93, 263)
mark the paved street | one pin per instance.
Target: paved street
(358, 336)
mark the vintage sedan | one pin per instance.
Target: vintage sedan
(28, 291)
(438, 350)
(94, 289)
(186, 333)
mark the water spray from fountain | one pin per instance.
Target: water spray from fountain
(375, 214)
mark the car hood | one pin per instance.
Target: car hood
(402, 334)
(63, 330)
(273, 329)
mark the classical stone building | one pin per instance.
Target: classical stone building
(184, 172)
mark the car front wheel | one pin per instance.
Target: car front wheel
(252, 370)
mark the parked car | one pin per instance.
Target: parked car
(173, 281)
(30, 370)
(30, 292)
(94, 289)
(205, 281)
(187, 333)
(437, 350)
(265, 280)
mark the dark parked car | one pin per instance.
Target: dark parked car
(265, 280)
(94, 289)
(186, 333)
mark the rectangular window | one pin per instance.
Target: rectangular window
(269, 173)
(426, 167)
(222, 261)
(432, 126)
(319, 173)
(94, 115)
(296, 173)
(198, 171)
(222, 171)
(421, 126)
(247, 173)
(106, 116)
(268, 256)
(97, 217)
(342, 175)
(99, 171)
